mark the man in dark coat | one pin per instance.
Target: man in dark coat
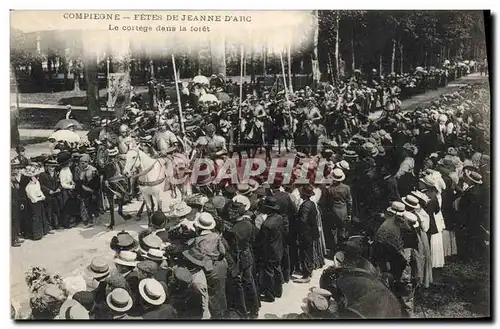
(287, 211)
(271, 239)
(242, 293)
(471, 210)
(49, 184)
(340, 201)
(307, 232)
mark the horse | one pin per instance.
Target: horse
(115, 185)
(305, 139)
(249, 138)
(151, 179)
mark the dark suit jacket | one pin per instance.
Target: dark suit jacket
(271, 238)
(240, 240)
(48, 183)
(161, 312)
(287, 209)
(307, 222)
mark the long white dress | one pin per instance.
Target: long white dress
(437, 248)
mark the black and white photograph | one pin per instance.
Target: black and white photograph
(250, 165)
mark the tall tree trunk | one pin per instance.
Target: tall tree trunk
(337, 59)
(393, 55)
(316, 73)
(264, 59)
(218, 55)
(151, 69)
(353, 62)
(252, 67)
(91, 71)
(14, 113)
(290, 79)
(380, 67)
(331, 73)
(402, 56)
(76, 78)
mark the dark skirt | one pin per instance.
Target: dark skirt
(36, 225)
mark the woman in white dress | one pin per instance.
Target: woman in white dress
(428, 185)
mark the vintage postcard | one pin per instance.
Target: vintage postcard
(204, 165)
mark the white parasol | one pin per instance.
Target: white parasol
(65, 135)
(208, 98)
(201, 79)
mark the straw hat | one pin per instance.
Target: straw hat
(152, 291)
(396, 208)
(151, 241)
(370, 148)
(205, 221)
(429, 180)
(244, 200)
(179, 210)
(119, 300)
(155, 255)
(344, 165)
(337, 175)
(72, 310)
(98, 267)
(411, 218)
(126, 258)
(411, 201)
(421, 196)
(474, 177)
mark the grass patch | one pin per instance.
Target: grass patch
(460, 290)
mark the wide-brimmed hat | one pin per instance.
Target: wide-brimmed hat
(178, 211)
(125, 241)
(420, 196)
(204, 221)
(344, 165)
(73, 310)
(337, 175)
(307, 190)
(98, 267)
(155, 255)
(152, 291)
(396, 208)
(243, 200)
(119, 300)
(158, 219)
(411, 201)
(150, 241)
(243, 188)
(195, 256)
(126, 258)
(474, 176)
(270, 203)
(63, 157)
(429, 180)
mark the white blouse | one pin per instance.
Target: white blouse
(66, 178)
(34, 192)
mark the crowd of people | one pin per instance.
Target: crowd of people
(406, 191)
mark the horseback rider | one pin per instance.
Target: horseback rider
(164, 139)
(215, 142)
